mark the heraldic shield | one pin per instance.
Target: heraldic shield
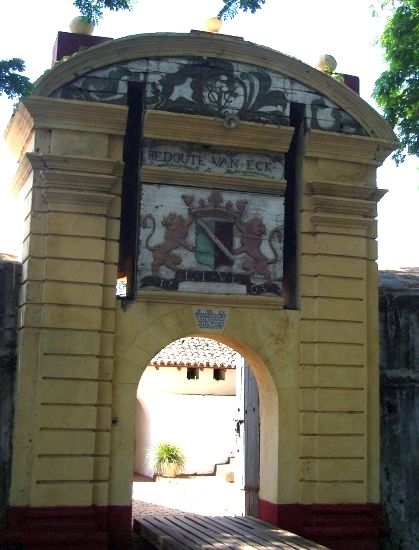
(195, 239)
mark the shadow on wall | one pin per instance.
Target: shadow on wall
(9, 289)
(399, 382)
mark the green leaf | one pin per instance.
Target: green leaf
(166, 454)
(13, 84)
(92, 10)
(397, 89)
(231, 7)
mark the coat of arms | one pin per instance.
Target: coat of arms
(210, 238)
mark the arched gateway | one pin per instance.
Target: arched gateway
(252, 179)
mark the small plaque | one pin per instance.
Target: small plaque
(211, 319)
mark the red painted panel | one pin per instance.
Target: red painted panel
(268, 511)
(68, 43)
(54, 527)
(337, 526)
(352, 82)
(119, 525)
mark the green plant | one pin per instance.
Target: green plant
(231, 7)
(167, 459)
(12, 83)
(92, 10)
(397, 89)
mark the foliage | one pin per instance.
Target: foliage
(165, 455)
(231, 7)
(337, 76)
(13, 84)
(397, 89)
(92, 10)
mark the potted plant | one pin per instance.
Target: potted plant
(167, 459)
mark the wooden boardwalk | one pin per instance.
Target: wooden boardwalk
(184, 532)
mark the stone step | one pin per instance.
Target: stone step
(226, 470)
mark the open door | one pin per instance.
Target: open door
(248, 438)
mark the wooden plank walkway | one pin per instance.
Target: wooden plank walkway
(187, 532)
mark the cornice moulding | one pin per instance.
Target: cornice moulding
(89, 165)
(23, 172)
(357, 207)
(348, 148)
(37, 112)
(174, 176)
(247, 136)
(224, 300)
(18, 132)
(345, 190)
(77, 197)
(329, 220)
(78, 181)
(75, 167)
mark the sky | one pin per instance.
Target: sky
(300, 28)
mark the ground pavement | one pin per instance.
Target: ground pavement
(204, 495)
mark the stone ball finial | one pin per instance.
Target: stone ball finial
(81, 25)
(213, 24)
(326, 63)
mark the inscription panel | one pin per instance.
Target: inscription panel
(212, 320)
(214, 161)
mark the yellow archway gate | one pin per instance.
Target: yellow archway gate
(274, 369)
(301, 135)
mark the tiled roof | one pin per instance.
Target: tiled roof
(197, 352)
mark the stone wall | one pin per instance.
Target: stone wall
(399, 365)
(9, 275)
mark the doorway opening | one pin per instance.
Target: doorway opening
(200, 396)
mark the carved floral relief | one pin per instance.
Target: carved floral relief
(212, 87)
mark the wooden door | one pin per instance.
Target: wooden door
(248, 438)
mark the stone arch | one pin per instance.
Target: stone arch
(162, 325)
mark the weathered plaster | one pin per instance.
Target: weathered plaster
(9, 287)
(399, 372)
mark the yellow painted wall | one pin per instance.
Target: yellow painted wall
(81, 355)
(338, 359)
(148, 327)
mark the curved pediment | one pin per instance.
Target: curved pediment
(213, 75)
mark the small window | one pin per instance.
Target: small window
(219, 374)
(192, 374)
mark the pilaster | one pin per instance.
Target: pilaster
(66, 328)
(338, 407)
